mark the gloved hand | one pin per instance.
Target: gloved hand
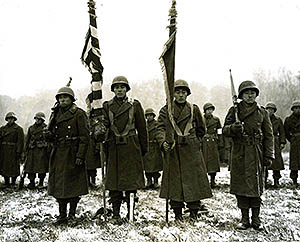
(168, 147)
(237, 128)
(78, 161)
(267, 162)
(282, 146)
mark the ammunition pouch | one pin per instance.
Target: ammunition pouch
(8, 143)
(121, 140)
(182, 140)
(66, 141)
(251, 139)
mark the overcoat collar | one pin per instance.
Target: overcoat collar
(151, 125)
(64, 116)
(119, 108)
(37, 129)
(181, 114)
(245, 111)
(210, 121)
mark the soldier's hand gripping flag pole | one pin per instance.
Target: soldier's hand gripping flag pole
(167, 61)
(91, 59)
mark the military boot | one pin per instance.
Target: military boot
(212, 181)
(149, 182)
(31, 185)
(41, 183)
(256, 223)
(13, 181)
(295, 184)
(178, 214)
(244, 224)
(194, 214)
(93, 181)
(62, 217)
(116, 218)
(6, 181)
(155, 185)
(276, 183)
(73, 207)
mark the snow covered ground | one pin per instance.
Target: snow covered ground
(28, 215)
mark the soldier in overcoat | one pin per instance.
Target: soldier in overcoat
(68, 128)
(126, 143)
(11, 148)
(184, 180)
(153, 160)
(37, 151)
(279, 143)
(211, 142)
(253, 149)
(292, 132)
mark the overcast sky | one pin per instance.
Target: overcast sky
(41, 40)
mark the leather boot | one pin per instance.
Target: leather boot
(93, 181)
(178, 214)
(194, 214)
(295, 184)
(155, 185)
(256, 223)
(31, 184)
(62, 218)
(73, 207)
(244, 224)
(276, 183)
(13, 181)
(149, 182)
(6, 181)
(116, 219)
(41, 183)
(212, 181)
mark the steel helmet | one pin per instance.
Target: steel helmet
(66, 91)
(295, 103)
(208, 105)
(271, 105)
(149, 111)
(10, 115)
(246, 85)
(40, 115)
(120, 80)
(183, 84)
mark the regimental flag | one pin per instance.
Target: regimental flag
(91, 58)
(167, 62)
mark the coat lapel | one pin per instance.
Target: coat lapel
(66, 115)
(118, 109)
(184, 114)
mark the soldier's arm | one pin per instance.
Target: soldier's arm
(281, 132)
(20, 141)
(161, 126)
(286, 126)
(229, 120)
(268, 138)
(140, 124)
(83, 134)
(200, 124)
(28, 137)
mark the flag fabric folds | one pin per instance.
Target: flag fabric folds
(91, 59)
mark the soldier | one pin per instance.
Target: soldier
(68, 128)
(153, 160)
(253, 148)
(37, 151)
(184, 178)
(279, 143)
(292, 132)
(211, 142)
(126, 144)
(11, 148)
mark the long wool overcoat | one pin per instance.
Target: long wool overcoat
(153, 160)
(249, 149)
(292, 133)
(37, 149)
(279, 138)
(66, 179)
(11, 146)
(93, 159)
(185, 176)
(124, 167)
(210, 144)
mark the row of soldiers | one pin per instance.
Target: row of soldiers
(130, 148)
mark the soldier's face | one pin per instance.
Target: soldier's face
(39, 121)
(10, 121)
(271, 111)
(180, 95)
(209, 111)
(296, 110)
(64, 100)
(149, 117)
(249, 96)
(120, 90)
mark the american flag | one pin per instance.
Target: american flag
(91, 58)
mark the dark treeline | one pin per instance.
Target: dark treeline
(282, 88)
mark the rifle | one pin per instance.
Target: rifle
(234, 99)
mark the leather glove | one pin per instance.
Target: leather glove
(78, 161)
(237, 128)
(168, 147)
(267, 162)
(282, 146)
